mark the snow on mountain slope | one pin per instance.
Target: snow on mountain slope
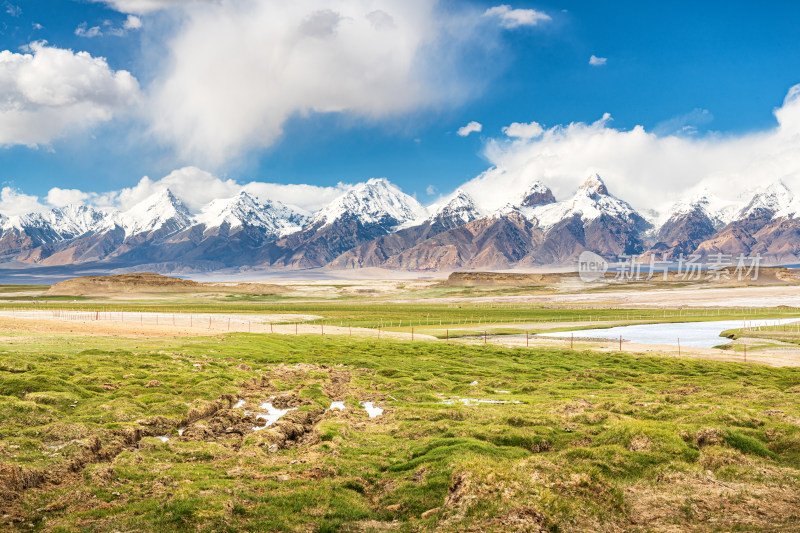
(460, 208)
(162, 210)
(375, 202)
(719, 211)
(776, 198)
(275, 218)
(591, 201)
(61, 223)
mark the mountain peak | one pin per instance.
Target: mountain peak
(376, 201)
(459, 209)
(159, 210)
(241, 210)
(594, 185)
(538, 194)
(776, 199)
(718, 211)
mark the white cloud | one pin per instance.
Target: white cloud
(37, 26)
(597, 61)
(649, 170)
(132, 23)
(58, 197)
(14, 202)
(235, 72)
(472, 127)
(430, 190)
(514, 18)
(141, 7)
(521, 130)
(12, 9)
(685, 124)
(84, 31)
(196, 188)
(50, 92)
(308, 197)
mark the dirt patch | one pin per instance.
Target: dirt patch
(337, 388)
(680, 499)
(708, 437)
(522, 519)
(640, 443)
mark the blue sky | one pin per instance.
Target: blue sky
(697, 69)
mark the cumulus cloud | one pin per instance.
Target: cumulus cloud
(196, 187)
(235, 72)
(597, 61)
(132, 23)
(472, 127)
(514, 18)
(651, 171)
(50, 92)
(58, 197)
(141, 7)
(521, 130)
(14, 202)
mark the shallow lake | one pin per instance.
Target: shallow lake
(694, 334)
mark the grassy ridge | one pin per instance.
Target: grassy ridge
(590, 436)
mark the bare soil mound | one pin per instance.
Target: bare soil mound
(149, 283)
(728, 277)
(122, 283)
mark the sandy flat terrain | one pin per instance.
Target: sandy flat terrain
(160, 325)
(768, 296)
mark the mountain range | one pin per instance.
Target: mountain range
(375, 224)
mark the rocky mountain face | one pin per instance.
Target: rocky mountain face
(374, 224)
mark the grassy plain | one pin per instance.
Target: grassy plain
(562, 440)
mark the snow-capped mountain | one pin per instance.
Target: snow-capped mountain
(60, 223)
(776, 200)
(591, 201)
(719, 212)
(274, 218)
(376, 224)
(376, 202)
(458, 209)
(538, 194)
(162, 212)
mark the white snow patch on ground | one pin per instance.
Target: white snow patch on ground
(270, 414)
(372, 410)
(336, 405)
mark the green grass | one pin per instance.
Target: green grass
(423, 316)
(570, 448)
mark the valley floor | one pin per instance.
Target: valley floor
(118, 415)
